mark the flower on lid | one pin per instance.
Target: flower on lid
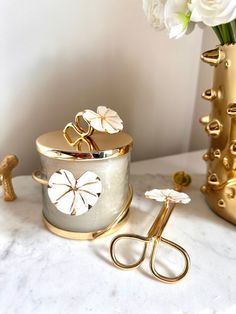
(104, 120)
(168, 195)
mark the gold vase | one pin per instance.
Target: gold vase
(220, 125)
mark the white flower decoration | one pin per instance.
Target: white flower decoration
(168, 195)
(74, 196)
(105, 120)
(213, 13)
(154, 11)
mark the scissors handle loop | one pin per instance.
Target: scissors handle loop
(180, 250)
(128, 236)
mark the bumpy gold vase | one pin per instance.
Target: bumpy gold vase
(220, 125)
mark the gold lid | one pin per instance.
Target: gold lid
(97, 146)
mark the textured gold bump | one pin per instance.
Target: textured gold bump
(217, 153)
(214, 128)
(205, 157)
(226, 163)
(213, 57)
(204, 120)
(209, 94)
(232, 147)
(221, 203)
(227, 63)
(213, 179)
(231, 110)
(230, 193)
(203, 189)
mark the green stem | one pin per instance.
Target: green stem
(218, 34)
(231, 33)
(225, 33)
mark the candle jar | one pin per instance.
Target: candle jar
(85, 182)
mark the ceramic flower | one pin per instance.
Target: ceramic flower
(213, 13)
(177, 17)
(104, 120)
(168, 194)
(154, 11)
(74, 196)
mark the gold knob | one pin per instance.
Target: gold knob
(213, 179)
(181, 180)
(209, 94)
(204, 120)
(213, 57)
(231, 110)
(214, 128)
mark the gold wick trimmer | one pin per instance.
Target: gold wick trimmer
(155, 237)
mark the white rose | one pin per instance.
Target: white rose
(154, 10)
(177, 17)
(213, 13)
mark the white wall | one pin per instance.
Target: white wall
(58, 57)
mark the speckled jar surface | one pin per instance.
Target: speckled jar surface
(111, 164)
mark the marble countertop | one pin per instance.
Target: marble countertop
(43, 273)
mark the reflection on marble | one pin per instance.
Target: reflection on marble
(42, 273)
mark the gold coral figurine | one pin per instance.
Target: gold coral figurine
(6, 167)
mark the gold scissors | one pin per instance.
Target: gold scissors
(153, 237)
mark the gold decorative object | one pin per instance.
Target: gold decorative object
(220, 125)
(6, 167)
(85, 175)
(181, 180)
(116, 224)
(104, 120)
(169, 198)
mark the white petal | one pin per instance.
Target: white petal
(65, 203)
(97, 124)
(102, 110)
(115, 122)
(154, 10)
(176, 31)
(178, 197)
(90, 115)
(89, 189)
(62, 177)
(109, 128)
(156, 195)
(214, 13)
(110, 120)
(195, 16)
(80, 207)
(172, 195)
(60, 190)
(56, 191)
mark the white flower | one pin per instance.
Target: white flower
(167, 194)
(74, 196)
(154, 10)
(177, 17)
(213, 13)
(105, 120)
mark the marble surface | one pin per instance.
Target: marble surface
(42, 273)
